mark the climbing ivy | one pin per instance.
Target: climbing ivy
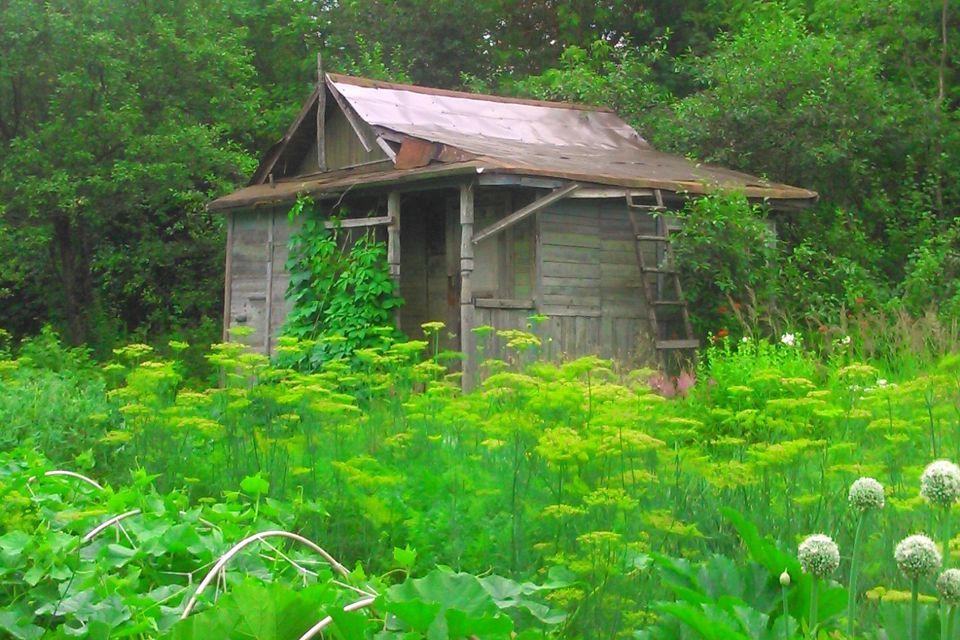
(342, 294)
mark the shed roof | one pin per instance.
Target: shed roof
(457, 132)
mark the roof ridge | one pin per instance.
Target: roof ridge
(450, 93)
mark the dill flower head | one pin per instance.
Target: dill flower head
(866, 494)
(818, 555)
(948, 586)
(940, 483)
(917, 556)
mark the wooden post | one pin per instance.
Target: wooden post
(228, 279)
(393, 243)
(321, 116)
(466, 288)
(268, 311)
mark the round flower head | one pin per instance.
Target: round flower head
(818, 555)
(940, 483)
(917, 556)
(948, 586)
(865, 494)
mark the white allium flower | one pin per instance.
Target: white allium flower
(940, 483)
(819, 555)
(881, 382)
(948, 586)
(917, 556)
(845, 340)
(745, 340)
(788, 339)
(865, 494)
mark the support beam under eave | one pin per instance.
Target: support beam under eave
(468, 381)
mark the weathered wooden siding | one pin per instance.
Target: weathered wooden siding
(342, 145)
(574, 263)
(258, 247)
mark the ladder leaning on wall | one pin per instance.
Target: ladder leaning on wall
(667, 311)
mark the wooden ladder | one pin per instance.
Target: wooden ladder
(663, 305)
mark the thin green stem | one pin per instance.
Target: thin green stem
(786, 613)
(814, 596)
(944, 623)
(947, 534)
(852, 598)
(914, 608)
(950, 621)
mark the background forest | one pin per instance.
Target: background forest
(119, 121)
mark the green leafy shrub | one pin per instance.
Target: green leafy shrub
(727, 256)
(342, 293)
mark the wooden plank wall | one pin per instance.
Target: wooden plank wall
(590, 283)
(343, 147)
(250, 252)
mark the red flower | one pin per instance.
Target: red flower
(723, 333)
(722, 310)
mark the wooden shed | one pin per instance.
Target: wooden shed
(494, 209)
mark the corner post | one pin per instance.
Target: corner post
(466, 287)
(393, 242)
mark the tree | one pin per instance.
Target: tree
(118, 122)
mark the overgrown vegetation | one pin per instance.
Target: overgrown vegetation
(578, 465)
(103, 229)
(340, 287)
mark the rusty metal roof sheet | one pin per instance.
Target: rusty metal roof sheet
(506, 135)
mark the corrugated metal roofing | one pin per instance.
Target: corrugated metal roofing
(505, 135)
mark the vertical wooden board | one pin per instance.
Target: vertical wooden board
(248, 280)
(342, 146)
(608, 346)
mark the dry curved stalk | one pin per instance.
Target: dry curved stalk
(320, 626)
(237, 548)
(69, 474)
(115, 520)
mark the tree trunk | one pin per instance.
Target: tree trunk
(72, 261)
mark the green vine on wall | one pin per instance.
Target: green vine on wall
(343, 296)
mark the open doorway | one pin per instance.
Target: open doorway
(430, 264)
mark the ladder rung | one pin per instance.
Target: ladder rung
(646, 238)
(668, 303)
(678, 344)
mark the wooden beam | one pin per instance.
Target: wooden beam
(321, 116)
(268, 320)
(387, 149)
(228, 279)
(348, 223)
(600, 192)
(466, 288)
(503, 303)
(393, 235)
(529, 210)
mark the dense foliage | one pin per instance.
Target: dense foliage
(340, 286)
(118, 122)
(619, 491)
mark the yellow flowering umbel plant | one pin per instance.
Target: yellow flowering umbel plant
(916, 556)
(819, 557)
(866, 495)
